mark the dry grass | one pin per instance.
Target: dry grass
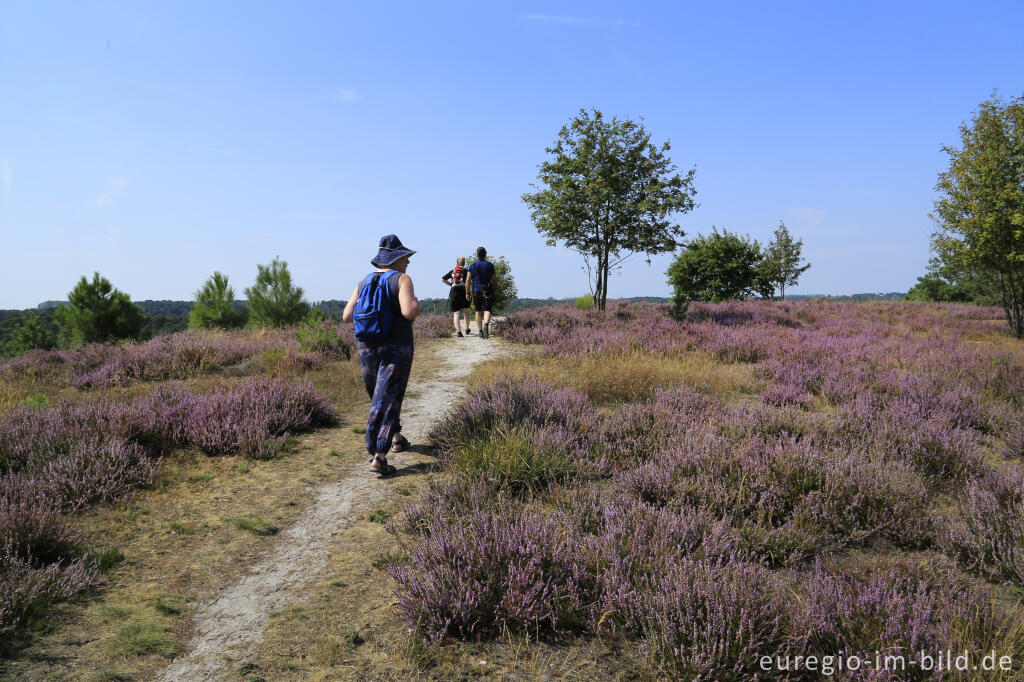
(629, 377)
(180, 542)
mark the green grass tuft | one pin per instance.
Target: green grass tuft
(255, 524)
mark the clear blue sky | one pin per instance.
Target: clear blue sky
(158, 142)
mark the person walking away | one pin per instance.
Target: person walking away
(483, 282)
(383, 306)
(458, 303)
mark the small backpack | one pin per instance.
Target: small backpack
(458, 275)
(373, 314)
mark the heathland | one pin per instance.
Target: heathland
(633, 496)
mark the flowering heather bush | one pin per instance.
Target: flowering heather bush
(710, 620)
(928, 437)
(61, 459)
(641, 431)
(895, 609)
(26, 588)
(511, 401)
(31, 525)
(859, 498)
(250, 418)
(96, 472)
(179, 356)
(786, 394)
(990, 530)
(689, 523)
(432, 327)
(485, 572)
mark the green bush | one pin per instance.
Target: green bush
(273, 300)
(515, 459)
(585, 302)
(99, 313)
(320, 335)
(214, 306)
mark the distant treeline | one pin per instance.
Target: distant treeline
(167, 317)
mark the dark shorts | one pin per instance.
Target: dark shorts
(457, 299)
(483, 300)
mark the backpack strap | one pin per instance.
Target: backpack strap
(386, 277)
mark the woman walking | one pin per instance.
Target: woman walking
(457, 299)
(383, 306)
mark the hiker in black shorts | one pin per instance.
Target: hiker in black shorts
(457, 299)
(483, 283)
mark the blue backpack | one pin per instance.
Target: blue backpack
(373, 314)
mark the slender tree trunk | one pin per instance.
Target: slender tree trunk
(607, 257)
(1016, 323)
(1004, 297)
(782, 290)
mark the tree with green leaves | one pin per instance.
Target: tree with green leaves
(980, 212)
(717, 267)
(215, 306)
(273, 300)
(506, 291)
(30, 333)
(943, 283)
(609, 193)
(780, 267)
(99, 313)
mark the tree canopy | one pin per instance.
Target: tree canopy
(273, 300)
(945, 284)
(780, 266)
(980, 211)
(99, 313)
(609, 193)
(214, 306)
(717, 267)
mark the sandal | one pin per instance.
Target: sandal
(385, 469)
(400, 445)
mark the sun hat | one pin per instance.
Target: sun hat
(391, 249)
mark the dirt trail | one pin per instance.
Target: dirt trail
(234, 622)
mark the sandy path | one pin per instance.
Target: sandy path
(234, 622)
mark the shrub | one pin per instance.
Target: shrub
(273, 300)
(484, 573)
(519, 458)
(215, 306)
(711, 620)
(99, 313)
(508, 402)
(318, 335)
(25, 589)
(989, 533)
(895, 608)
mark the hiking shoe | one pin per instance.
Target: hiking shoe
(459, 334)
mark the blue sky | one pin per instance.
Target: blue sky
(158, 142)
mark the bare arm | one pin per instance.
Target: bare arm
(350, 305)
(407, 298)
(469, 284)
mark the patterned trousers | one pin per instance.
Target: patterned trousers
(385, 374)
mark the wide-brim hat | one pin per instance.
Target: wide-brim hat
(391, 249)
